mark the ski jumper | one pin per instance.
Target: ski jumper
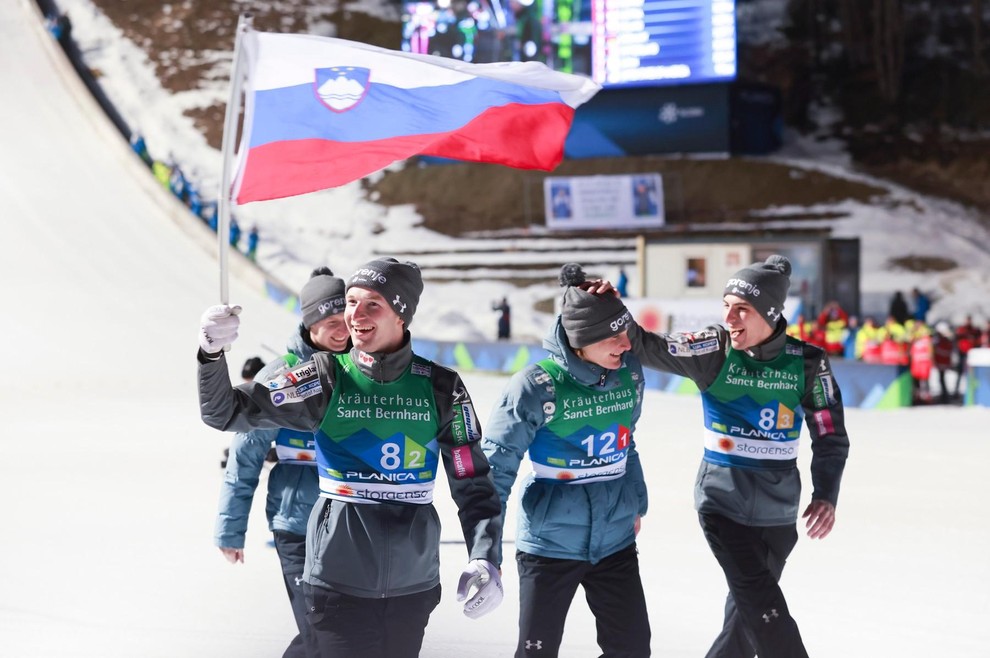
(373, 540)
(579, 506)
(748, 486)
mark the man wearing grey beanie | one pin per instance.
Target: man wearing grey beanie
(386, 422)
(399, 284)
(321, 297)
(575, 413)
(758, 387)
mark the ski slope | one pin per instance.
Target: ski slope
(110, 489)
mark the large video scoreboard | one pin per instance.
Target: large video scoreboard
(618, 43)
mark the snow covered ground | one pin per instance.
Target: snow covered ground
(111, 489)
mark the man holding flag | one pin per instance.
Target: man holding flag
(385, 421)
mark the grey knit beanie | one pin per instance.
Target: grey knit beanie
(400, 284)
(589, 318)
(321, 297)
(764, 285)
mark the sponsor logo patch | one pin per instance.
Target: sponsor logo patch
(471, 422)
(421, 369)
(704, 347)
(823, 419)
(463, 464)
(793, 350)
(828, 389)
(303, 372)
(461, 425)
(298, 394)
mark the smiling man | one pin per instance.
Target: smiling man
(385, 422)
(758, 386)
(574, 414)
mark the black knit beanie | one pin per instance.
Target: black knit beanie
(764, 285)
(400, 284)
(589, 318)
(321, 297)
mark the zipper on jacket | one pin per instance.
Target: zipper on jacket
(386, 562)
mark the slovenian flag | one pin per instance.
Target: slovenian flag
(322, 112)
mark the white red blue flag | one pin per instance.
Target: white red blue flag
(323, 112)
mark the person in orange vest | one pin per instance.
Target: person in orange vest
(968, 336)
(943, 347)
(921, 362)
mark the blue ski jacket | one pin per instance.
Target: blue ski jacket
(587, 521)
(292, 488)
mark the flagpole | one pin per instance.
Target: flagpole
(244, 24)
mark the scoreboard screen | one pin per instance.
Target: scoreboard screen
(618, 43)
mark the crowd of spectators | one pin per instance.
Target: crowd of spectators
(931, 350)
(173, 179)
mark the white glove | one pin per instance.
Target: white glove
(483, 575)
(218, 328)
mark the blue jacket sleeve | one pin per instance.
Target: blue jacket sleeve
(244, 464)
(512, 427)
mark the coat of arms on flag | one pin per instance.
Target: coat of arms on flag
(341, 87)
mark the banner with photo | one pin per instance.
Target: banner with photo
(626, 201)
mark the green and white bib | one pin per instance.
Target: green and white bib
(588, 435)
(377, 442)
(753, 413)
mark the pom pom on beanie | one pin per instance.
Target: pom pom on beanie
(321, 297)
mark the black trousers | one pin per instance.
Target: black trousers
(960, 372)
(614, 593)
(943, 388)
(353, 627)
(291, 549)
(757, 620)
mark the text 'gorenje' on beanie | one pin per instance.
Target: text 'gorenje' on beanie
(321, 297)
(589, 318)
(764, 285)
(400, 284)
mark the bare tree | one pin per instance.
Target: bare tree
(979, 64)
(888, 47)
(854, 29)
